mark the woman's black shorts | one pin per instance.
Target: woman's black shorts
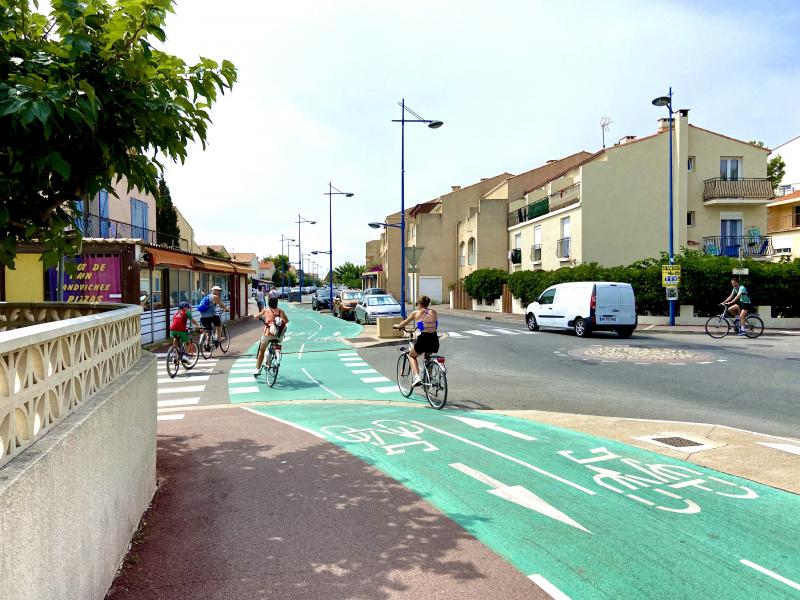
(427, 341)
(745, 306)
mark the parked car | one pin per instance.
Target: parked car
(584, 307)
(370, 291)
(321, 299)
(376, 305)
(345, 302)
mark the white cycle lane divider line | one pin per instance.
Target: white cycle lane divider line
(478, 424)
(790, 448)
(769, 573)
(552, 591)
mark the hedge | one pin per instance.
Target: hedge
(705, 281)
(485, 284)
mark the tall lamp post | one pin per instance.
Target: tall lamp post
(402, 120)
(667, 101)
(300, 221)
(283, 263)
(332, 191)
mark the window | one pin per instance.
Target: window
(547, 297)
(730, 169)
(691, 163)
(565, 225)
(80, 222)
(690, 218)
(381, 301)
(138, 218)
(797, 216)
(536, 249)
(730, 235)
(471, 251)
(517, 241)
(563, 246)
(462, 254)
(102, 210)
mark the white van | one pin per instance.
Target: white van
(585, 306)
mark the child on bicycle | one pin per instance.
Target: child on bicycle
(275, 322)
(179, 328)
(427, 342)
(738, 303)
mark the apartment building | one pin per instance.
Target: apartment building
(390, 276)
(783, 225)
(790, 153)
(612, 208)
(186, 241)
(433, 228)
(481, 233)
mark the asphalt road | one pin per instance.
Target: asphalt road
(748, 384)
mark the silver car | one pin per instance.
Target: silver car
(371, 307)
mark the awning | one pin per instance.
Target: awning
(244, 269)
(168, 258)
(209, 264)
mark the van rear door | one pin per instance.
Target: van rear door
(627, 305)
(608, 304)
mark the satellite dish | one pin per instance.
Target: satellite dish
(605, 124)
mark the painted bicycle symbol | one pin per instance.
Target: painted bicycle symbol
(378, 434)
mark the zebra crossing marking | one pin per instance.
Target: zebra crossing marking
(387, 389)
(375, 379)
(189, 389)
(180, 402)
(480, 333)
(170, 417)
(188, 375)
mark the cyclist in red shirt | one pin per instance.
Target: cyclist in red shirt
(179, 330)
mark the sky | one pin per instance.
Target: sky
(515, 82)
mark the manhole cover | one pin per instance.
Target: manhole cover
(677, 442)
(642, 354)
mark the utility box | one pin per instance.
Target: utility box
(385, 327)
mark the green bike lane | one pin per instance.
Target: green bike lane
(582, 516)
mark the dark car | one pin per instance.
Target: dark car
(321, 299)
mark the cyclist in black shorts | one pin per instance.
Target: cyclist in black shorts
(426, 321)
(739, 304)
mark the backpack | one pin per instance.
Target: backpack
(205, 304)
(179, 320)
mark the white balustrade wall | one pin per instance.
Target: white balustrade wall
(55, 356)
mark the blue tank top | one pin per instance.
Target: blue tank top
(421, 323)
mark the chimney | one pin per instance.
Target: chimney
(484, 178)
(683, 112)
(551, 161)
(455, 188)
(626, 139)
(663, 124)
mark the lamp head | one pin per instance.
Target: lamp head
(311, 222)
(376, 225)
(349, 195)
(662, 101)
(435, 124)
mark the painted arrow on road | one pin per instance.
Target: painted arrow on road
(478, 424)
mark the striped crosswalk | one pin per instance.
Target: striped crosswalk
(182, 391)
(487, 332)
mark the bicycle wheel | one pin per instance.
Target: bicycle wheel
(718, 327)
(436, 386)
(189, 358)
(173, 362)
(274, 362)
(404, 375)
(225, 342)
(755, 326)
(206, 346)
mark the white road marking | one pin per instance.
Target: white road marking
(519, 495)
(785, 447)
(330, 391)
(289, 423)
(549, 588)
(171, 417)
(507, 457)
(722, 360)
(242, 371)
(180, 402)
(478, 424)
(189, 389)
(363, 371)
(506, 331)
(188, 375)
(358, 364)
(706, 362)
(478, 332)
(387, 390)
(252, 389)
(300, 354)
(348, 354)
(773, 574)
(241, 379)
(347, 359)
(374, 379)
(454, 334)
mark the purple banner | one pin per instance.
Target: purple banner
(97, 280)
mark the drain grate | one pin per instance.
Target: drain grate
(677, 442)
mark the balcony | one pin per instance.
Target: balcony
(737, 191)
(756, 246)
(101, 227)
(516, 256)
(554, 201)
(536, 253)
(563, 248)
(783, 223)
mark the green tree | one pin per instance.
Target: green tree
(168, 232)
(215, 254)
(85, 97)
(348, 274)
(485, 284)
(776, 167)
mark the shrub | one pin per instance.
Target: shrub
(485, 284)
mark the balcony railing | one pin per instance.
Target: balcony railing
(783, 223)
(516, 256)
(101, 227)
(756, 188)
(735, 246)
(548, 204)
(536, 253)
(563, 247)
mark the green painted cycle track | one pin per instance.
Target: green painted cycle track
(592, 517)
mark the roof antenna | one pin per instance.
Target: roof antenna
(605, 124)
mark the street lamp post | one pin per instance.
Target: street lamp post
(667, 101)
(283, 262)
(402, 120)
(332, 191)
(300, 221)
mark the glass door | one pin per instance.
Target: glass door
(730, 236)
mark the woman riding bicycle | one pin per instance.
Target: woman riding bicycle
(275, 322)
(426, 321)
(738, 304)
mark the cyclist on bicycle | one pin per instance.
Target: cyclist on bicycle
(275, 322)
(209, 316)
(426, 321)
(738, 303)
(179, 330)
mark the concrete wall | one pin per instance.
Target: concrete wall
(25, 283)
(790, 153)
(70, 503)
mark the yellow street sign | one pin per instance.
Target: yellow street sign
(670, 275)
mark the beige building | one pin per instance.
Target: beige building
(389, 277)
(187, 234)
(612, 208)
(783, 225)
(482, 237)
(128, 214)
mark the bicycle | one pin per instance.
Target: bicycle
(180, 356)
(209, 340)
(432, 373)
(272, 362)
(719, 327)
